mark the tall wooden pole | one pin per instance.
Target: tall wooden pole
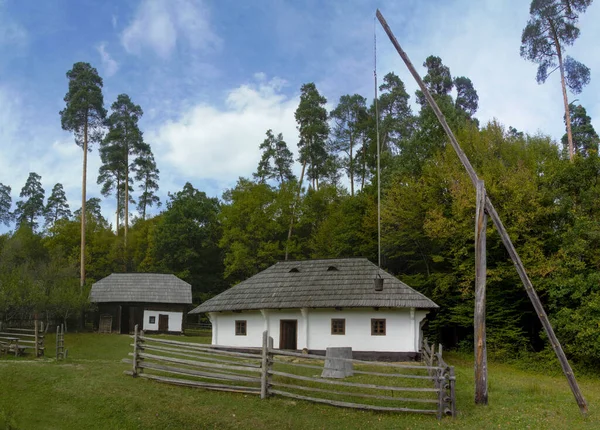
(481, 389)
(535, 300)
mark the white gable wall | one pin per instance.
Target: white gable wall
(403, 328)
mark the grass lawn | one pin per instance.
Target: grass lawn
(89, 391)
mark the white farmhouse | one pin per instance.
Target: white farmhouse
(314, 304)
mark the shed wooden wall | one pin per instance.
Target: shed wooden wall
(135, 311)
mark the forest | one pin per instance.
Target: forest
(547, 193)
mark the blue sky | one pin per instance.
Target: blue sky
(213, 76)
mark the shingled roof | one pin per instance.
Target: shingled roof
(344, 282)
(141, 288)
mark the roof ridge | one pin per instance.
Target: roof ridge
(323, 259)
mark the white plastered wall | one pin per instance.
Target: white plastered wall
(403, 328)
(175, 320)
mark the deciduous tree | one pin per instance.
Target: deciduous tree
(186, 240)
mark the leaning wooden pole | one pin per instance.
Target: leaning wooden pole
(535, 300)
(481, 388)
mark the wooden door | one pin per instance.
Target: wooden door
(124, 320)
(163, 323)
(133, 311)
(288, 334)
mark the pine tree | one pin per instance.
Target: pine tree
(5, 203)
(585, 138)
(32, 204)
(276, 160)
(349, 133)
(551, 28)
(467, 100)
(147, 175)
(111, 175)
(94, 211)
(123, 142)
(311, 117)
(56, 206)
(438, 79)
(84, 115)
(396, 117)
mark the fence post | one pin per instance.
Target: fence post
(439, 384)
(452, 392)
(135, 351)
(57, 336)
(36, 339)
(269, 363)
(264, 376)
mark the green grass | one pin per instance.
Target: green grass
(89, 391)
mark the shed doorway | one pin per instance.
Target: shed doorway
(288, 334)
(163, 323)
(124, 320)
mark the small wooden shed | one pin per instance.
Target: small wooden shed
(156, 302)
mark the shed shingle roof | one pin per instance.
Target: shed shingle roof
(141, 287)
(316, 285)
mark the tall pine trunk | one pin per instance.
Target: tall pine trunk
(83, 211)
(118, 202)
(144, 201)
(126, 197)
(351, 168)
(564, 91)
(364, 169)
(287, 244)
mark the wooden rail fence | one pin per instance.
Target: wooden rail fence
(61, 351)
(444, 379)
(391, 387)
(18, 340)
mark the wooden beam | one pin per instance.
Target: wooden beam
(481, 389)
(352, 405)
(566, 367)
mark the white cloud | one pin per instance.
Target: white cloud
(114, 20)
(222, 144)
(160, 24)
(109, 64)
